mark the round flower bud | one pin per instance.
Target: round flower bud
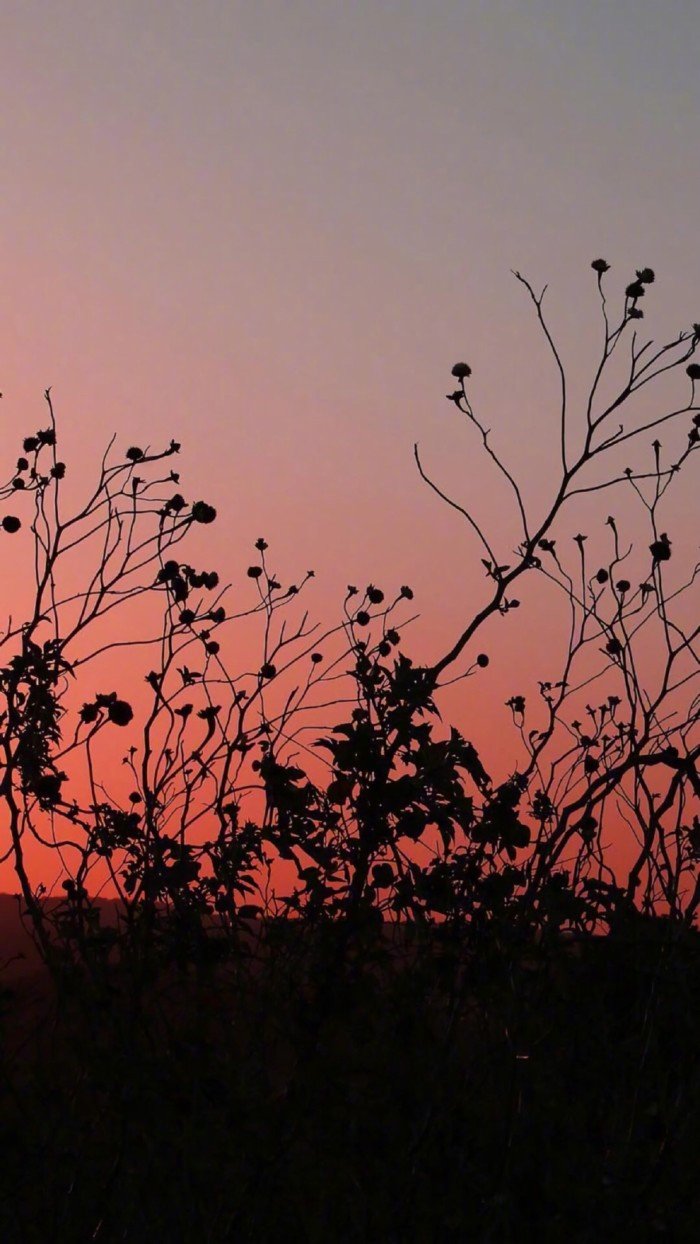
(120, 712)
(203, 513)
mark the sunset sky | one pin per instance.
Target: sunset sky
(269, 229)
(350, 621)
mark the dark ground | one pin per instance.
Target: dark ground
(406, 1098)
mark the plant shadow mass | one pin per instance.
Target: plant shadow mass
(311, 969)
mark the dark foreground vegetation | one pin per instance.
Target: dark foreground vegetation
(539, 1093)
(353, 985)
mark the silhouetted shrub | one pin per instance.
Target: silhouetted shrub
(376, 887)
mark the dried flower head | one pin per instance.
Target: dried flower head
(203, 513)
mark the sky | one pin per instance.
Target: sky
(269, 229)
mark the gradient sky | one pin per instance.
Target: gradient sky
(269, 229)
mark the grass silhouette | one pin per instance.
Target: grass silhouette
(354, 988)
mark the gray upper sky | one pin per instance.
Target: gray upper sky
(271, 228)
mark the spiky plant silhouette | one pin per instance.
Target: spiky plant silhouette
(309, 838)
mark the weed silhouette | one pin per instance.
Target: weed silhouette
(354, 986)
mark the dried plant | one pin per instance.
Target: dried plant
(310, 824)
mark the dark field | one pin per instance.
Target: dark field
(315, 1087)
